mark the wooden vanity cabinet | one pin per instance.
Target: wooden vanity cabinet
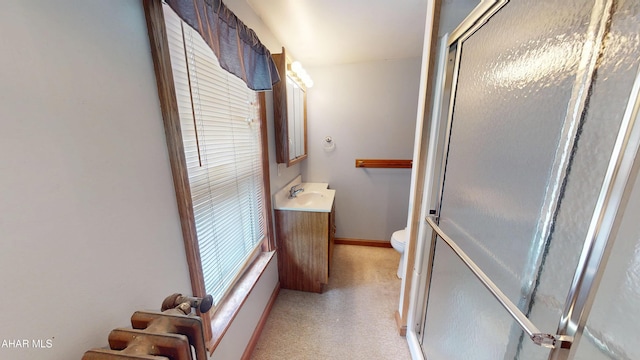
(305, 248)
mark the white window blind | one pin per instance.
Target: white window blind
(219, 119)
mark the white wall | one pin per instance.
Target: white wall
(89, 228)
(369, 109)
(88, 222)
(238, 335)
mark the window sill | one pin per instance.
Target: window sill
(229, 308)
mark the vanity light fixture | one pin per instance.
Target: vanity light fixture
(301, 74)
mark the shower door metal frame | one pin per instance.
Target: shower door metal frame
(439, 139)
(605, 222)
(430, 188)
(613, 195)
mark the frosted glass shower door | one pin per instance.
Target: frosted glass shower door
(613, 327)
(533, 119)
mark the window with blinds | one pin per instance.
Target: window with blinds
(219, 119)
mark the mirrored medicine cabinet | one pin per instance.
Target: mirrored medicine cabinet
(290, 113)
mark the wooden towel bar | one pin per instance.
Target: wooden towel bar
(384, 163)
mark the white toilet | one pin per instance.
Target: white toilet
(398, 241)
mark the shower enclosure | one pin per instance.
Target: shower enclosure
(531, 245)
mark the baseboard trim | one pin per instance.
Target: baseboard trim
(363, 242)
(402, 329)
(248, 351)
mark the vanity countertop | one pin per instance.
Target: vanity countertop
(316, 197)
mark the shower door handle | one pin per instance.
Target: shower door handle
(539, 338)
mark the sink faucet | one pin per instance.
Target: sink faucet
(295, 190)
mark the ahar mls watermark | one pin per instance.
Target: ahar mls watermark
(27, 343)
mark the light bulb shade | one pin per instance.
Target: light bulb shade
(304, 77)
(296, 66)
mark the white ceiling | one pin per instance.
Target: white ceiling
(325, 32)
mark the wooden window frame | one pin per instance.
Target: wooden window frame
(217, 321)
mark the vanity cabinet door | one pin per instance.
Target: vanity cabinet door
(332, 235)
(304, 245)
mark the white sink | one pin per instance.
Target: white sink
(308, 198)
(315, 197)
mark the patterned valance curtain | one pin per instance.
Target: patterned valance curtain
(236, 46)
